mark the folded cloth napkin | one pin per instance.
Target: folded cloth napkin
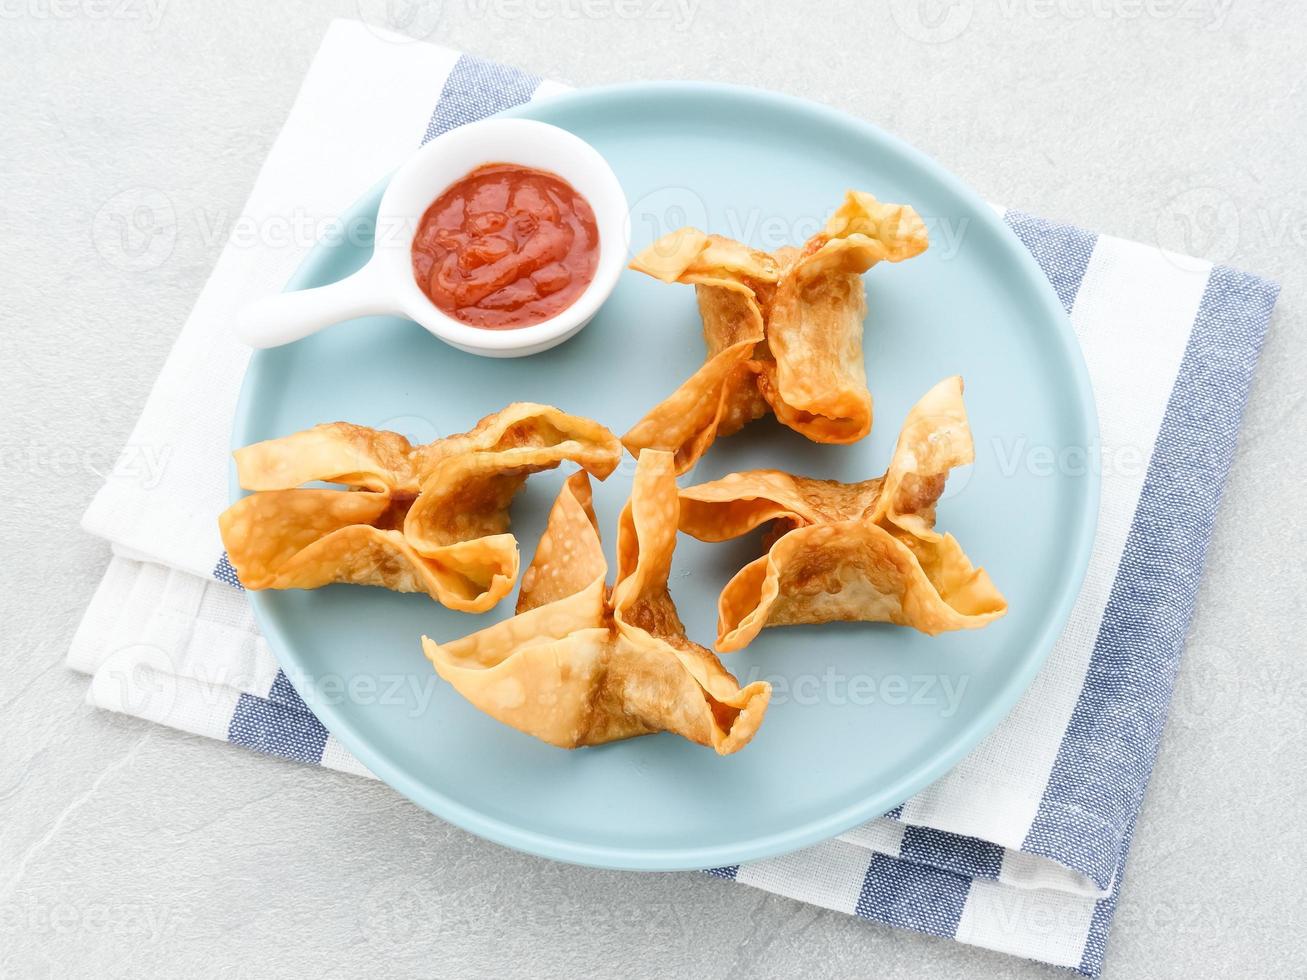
(1021, 847)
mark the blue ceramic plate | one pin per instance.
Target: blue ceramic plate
(862, 715)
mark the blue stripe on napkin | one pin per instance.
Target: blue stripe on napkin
(1062, 251)
(912, 896)
(475, 89)
(280, 724)
(1107, 752)
(226, 574)
(1091, 960)
(970, 856)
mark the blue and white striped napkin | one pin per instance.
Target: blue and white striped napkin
(1021, 847)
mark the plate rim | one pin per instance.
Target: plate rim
(832, 824)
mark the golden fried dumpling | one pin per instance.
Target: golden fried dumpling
(579, 665)
(430, 518)
(851, 551)
(783, 330)
(732, 284)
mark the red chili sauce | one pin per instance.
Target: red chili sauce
(506, 247)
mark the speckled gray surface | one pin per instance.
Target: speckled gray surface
(129, 850)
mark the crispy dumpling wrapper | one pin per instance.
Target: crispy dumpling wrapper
(783, 331)
(818, 386)
(579, 665)
(851, 551)
(732, 282)
(431, 518)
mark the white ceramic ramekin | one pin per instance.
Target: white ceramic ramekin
(386, 284)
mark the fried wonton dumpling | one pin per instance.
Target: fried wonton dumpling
(430, 518)
(851, 551)
(783, 331)
(732, 283)
(579, 665)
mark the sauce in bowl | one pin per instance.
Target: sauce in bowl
(506, 246)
